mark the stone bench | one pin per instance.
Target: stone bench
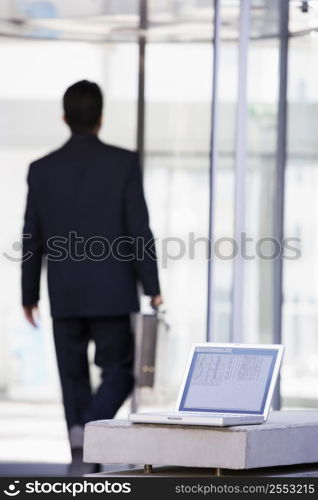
(287, 438)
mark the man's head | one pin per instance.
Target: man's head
(83, 104)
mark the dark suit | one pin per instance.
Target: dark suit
(87, 213)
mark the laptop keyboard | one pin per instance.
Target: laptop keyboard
(208, 414)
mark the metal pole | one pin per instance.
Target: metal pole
(213, 162)
(281, 155)
(240, 173)
(140, 146)
(141, 81)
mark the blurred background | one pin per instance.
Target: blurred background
(221, 99)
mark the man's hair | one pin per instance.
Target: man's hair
(83, 104)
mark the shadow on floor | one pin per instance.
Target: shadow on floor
(32, 469)
(21, 469)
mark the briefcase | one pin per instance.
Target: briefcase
(146, 328)
(146, 332)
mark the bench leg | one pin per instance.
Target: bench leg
(148, 469)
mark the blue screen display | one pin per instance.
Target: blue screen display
(226, 379)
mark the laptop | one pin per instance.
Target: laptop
(223, 385)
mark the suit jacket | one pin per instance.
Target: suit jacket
(87, 214)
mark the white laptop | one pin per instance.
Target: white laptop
(224, 385)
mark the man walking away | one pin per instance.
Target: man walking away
(87, 214)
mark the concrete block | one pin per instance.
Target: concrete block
(288, 437)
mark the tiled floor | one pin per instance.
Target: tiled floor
(33, 432)
(33, 440)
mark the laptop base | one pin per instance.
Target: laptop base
(182, 418)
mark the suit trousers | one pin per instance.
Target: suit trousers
(114, 354)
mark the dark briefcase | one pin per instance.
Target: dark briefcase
(145, 327)
(146, 332)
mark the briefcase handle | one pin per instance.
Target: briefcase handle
(160, 312)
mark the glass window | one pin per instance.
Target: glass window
(303, 15)
(258, 250)
(300, 310)
(178, 113)
(83, 20)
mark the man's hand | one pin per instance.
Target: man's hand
(30, 313)
(156, 301)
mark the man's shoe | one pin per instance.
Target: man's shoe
(76, 436)
(79, 468)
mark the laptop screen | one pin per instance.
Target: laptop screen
(228, 379)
